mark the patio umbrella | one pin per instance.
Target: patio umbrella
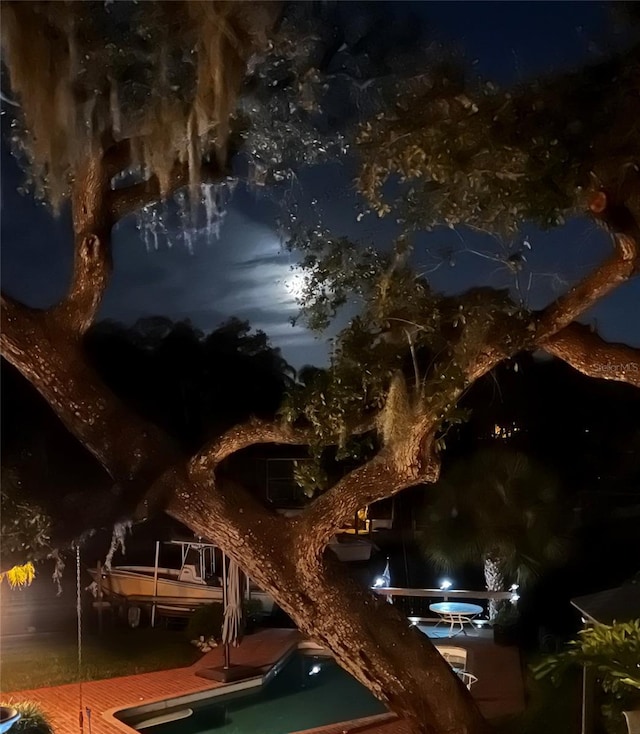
(233, 607)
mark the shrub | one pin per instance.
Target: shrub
(32, 720)
(206, 621)
(612, 652)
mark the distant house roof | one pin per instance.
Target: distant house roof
(621, 604)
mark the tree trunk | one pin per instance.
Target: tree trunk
(494, 580)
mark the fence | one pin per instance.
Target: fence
(415, 602)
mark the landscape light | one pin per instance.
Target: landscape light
(315, 669)
(446, 584)
(379, 582)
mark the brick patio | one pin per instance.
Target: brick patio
(499, 689)
(62, 703)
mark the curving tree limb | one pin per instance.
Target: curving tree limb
(247, 434)
(614, 271)
(588, 353)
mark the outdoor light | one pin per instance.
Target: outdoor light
(446, 584)
(414, 621)
(315, 669)
(514, 587)
(514, 598)
(378, 583)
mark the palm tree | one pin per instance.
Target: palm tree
(501, 507)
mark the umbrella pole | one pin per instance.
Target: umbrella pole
(231, 601)
(225, 602)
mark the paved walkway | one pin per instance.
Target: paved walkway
(499, 690)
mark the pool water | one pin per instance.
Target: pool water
(308, 692)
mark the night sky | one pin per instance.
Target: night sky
(246, 273)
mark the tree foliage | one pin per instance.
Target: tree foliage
(402, 353)
(25, 531)
(496, 503)
(164, 76)
(470, 154)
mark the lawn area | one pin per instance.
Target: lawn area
(54, 660)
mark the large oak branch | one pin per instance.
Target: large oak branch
(243, 436)
(588, 353)
(92, 264)
(614, 271)
(133, 451)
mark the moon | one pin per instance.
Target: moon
(295, 285)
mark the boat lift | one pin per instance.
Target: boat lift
(206, 565)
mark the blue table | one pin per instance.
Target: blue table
(456, 613)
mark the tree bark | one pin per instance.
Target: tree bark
(494, 581)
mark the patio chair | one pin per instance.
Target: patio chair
(467, 678)
(455, 656)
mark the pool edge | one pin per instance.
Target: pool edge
(349, 726)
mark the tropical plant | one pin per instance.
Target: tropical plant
(20, 575)
(613, 653)
(500, 507)
(24, 532)
(33, 719)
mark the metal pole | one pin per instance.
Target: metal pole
(79, 619)
(155, 585)
(587, 701)
(99, 579)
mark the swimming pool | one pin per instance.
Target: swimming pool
(309, 691)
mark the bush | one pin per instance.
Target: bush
(32, 720)
(612, 653)
(206, 622)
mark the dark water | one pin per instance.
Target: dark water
(308, 692)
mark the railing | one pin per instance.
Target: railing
(415, 602)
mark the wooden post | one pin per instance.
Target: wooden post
(99, 579)
(155, 585)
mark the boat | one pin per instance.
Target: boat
(173, 590)
(350, 549)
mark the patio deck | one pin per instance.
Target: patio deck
(500, 687)
(499, 690)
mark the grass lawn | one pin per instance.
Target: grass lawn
(54, 660)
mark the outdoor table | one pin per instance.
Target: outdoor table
(456, 613)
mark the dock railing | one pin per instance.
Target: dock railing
(415, 602)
